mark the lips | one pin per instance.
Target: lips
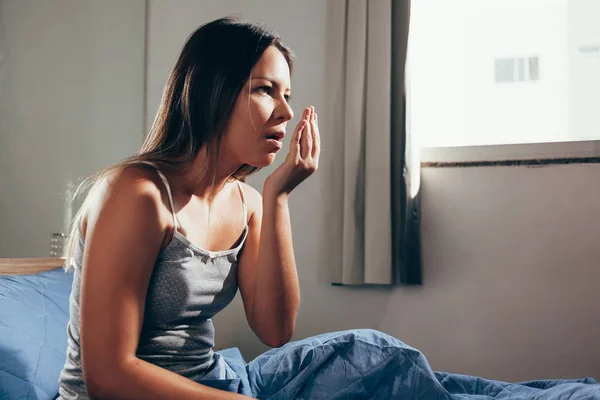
(276, 135)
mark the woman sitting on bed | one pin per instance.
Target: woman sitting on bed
(165, 238)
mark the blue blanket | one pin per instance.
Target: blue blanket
(366, 364)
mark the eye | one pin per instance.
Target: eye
(287, 97)
(263, 89)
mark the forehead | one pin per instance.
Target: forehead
(273, 65)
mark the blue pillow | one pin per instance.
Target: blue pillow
(34, 311)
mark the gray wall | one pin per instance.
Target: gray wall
(71, 102)
(511, 260)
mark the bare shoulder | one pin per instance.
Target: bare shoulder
(129, 188)
(253, 198)
(134, 180)
(130, 183)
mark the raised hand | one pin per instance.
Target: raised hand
(303, 158)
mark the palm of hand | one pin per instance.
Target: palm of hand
(303, 157)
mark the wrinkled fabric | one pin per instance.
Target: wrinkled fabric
(367, 364)
(34, 310)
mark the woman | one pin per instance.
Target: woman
(157, 244)
(165, 238)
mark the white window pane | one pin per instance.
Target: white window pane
(504, 71)
(521, 69)
(534, 68)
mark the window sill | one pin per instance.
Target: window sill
(530, 154)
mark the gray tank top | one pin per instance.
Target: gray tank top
(189, 285)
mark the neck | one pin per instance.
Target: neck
(204, 178)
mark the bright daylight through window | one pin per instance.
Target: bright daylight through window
(486, 72)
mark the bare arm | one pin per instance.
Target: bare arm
(124, 230)
(268, 278)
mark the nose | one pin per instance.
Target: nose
(284, 111)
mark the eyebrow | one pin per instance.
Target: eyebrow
(273, 81)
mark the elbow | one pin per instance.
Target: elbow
(276, 342)
(274, 330)
(98, 389)
(102, 383)
(278, 338)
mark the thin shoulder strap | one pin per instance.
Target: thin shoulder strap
(166, 182)
(244, 207)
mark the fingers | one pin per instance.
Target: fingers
(316, 148)
(296, 136)
(306, 141)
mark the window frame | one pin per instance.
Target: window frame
(583, 151)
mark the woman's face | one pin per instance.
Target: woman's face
(255, 131)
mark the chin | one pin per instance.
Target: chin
(262, 161)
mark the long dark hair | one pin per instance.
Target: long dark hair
(197, 102)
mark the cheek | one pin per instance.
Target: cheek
(248, 122)
(258, 112)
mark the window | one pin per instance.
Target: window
(517, 69)
(487, 72)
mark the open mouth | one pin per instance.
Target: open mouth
(275, 139)
(278, 136)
